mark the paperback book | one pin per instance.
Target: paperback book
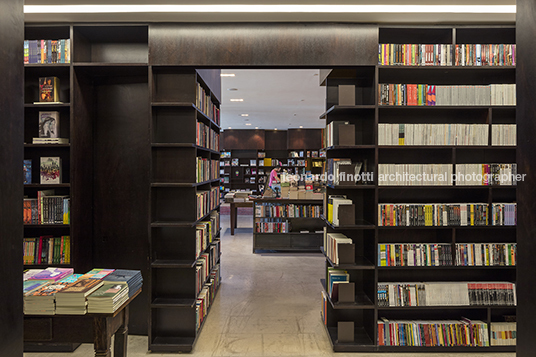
(50, 170)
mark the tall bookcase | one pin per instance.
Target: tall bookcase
(178, 139)
(76, 131)
(367, 233)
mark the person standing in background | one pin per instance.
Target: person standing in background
(274, 181)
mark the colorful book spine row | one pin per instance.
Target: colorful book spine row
(204, 265)
(47, 51)
(451, 95)
(391, 255)
(444, 333)
(433, 134)
(207, 137)
(415, 174)
(486, 254)
(206, 296)
(503, 333)
(447, 294)
(447, 54)
(271, 210)
(272, 227)
(446, 214)
(487, 174)
(47, 210)
(504, 134)
(47, 250)
(203, 237)
(203, 102)
(207, 201)
(206, 169)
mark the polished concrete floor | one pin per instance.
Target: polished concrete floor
(268, 305)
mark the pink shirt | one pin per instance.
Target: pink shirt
(273, 178)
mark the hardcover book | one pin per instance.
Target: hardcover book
(49, 124)
(49, 90)
(50, 170)
(27, 168)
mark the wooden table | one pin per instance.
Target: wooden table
(89, 328)
(233, 213)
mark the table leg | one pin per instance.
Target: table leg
(103, 337)
(233, 218)
(121, 337)
(236, 217)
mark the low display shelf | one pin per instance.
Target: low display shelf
(281, 224)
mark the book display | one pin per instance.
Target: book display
(185, 195)
(425, 259)
(248, 156)
(287, 224)
(49, 238)
(250, 169)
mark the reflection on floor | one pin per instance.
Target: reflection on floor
(268, 305)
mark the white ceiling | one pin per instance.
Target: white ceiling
(281, 99)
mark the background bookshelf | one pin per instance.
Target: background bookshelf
(365, 114)
(278, 146)
(291, 225)
(184, 133)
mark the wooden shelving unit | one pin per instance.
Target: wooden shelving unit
(175, 147)
(366, 115)
(303, 232)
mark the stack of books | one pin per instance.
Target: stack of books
(133, 278)
(40, 295)
(72, 300)
(108, 298)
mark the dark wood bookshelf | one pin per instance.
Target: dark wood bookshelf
(366, 234)
(361, 263)
(362, 301)
(294, 240)
(172, 316)
(346, 109)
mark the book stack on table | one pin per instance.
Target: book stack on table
(58, 291)
(108, 298)
(132, 278)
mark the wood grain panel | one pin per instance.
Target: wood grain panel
(304, 139)
(526, 161)
(121, 182)
(11, 189)
(275, 140)
(263, 44)
(243, 140)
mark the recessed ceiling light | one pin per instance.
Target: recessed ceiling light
(227, 75)
(236, 100)
(275, 128)
(256, 127)
(244, 115)
(248, 123)
(274, 8)
(301, 126)
(229, 128)
(232, 89)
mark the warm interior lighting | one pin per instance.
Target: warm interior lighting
(248, 123)
(301, 126)
(244, 115)
(237, 100)
(227, 74)
(274, 8)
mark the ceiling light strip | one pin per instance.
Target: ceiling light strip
(274, 8)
